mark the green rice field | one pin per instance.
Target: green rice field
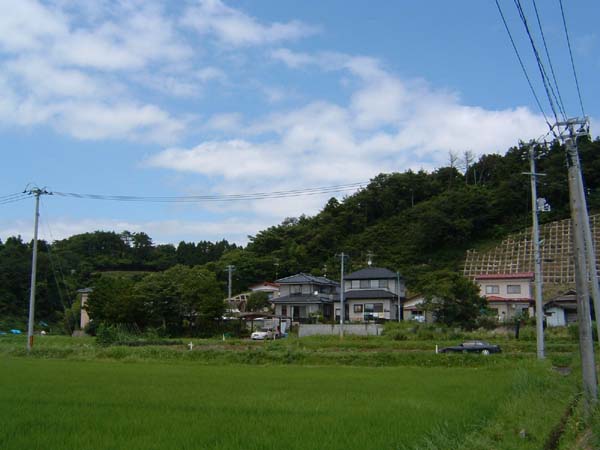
(54, 404)
(291, 394)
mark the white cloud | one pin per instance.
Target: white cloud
(234, 27)
(227, 122)
(161, 231)
(387, 124)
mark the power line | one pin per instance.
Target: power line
(217, 197)
(559, 100)
(540, 64)
(562, 11)
(14, 199)
(512, 41)
(8, 196)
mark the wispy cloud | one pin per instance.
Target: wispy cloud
(233, 27)
(386, 124)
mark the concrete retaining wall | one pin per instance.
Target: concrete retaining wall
(370, 329)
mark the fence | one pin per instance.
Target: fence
(367, 329)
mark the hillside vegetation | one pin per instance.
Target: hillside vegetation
(414, 222)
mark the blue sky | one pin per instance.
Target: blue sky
(204, 97)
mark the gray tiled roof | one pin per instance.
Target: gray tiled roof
(303, 299)
(304, 278)
(368, 294)
(371, 273)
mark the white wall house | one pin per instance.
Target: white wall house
(508, 294)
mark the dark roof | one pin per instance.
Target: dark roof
(371, 273)
(304, 278)
(568, 296)
(566, 305)
(303, 299)
(368, 294)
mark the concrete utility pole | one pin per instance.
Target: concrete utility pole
(343, 257)
(398, 295)
(37, 192)
(591, 258)
(583, 251)
(230, 269)
(539, 306)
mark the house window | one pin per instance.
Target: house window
(296, 289)
(358, 308)
(284, 310)
(364, 284)
(373, 307)
(383, 284)
(492, 289)
(513, 289)
(355, 284)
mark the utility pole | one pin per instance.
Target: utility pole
(539, 306)
(230, 269)
(583, 251)
(343, 257)
(37, 192)
(591, 257)
(398, 295)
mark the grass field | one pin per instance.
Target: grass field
(54, 404)
(293, 394)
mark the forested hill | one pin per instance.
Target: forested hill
(413, 222)
(420, 222)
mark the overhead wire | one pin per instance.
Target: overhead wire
(559, 100)
(14, 199)
(7, 196)
(564, 20)
(55, 262)
(216, 197)
(514, 45)
(545, 79)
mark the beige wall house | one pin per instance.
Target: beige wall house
(508, 294)
(371, 294)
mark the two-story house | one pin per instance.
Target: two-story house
(371, 293)
(303, 296)
(508, 294)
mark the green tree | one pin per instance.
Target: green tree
(258, 302)
(453, 299)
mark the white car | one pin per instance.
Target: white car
(262, 334)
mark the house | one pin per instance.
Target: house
(562, 309)
(272, 289)
(414, 309)
(508, 294)
(371, 293)
(238, 303)
(303, 296)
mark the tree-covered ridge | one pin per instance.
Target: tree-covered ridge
(414, 222)
(419, 222)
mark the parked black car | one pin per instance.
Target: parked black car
(485, 348)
